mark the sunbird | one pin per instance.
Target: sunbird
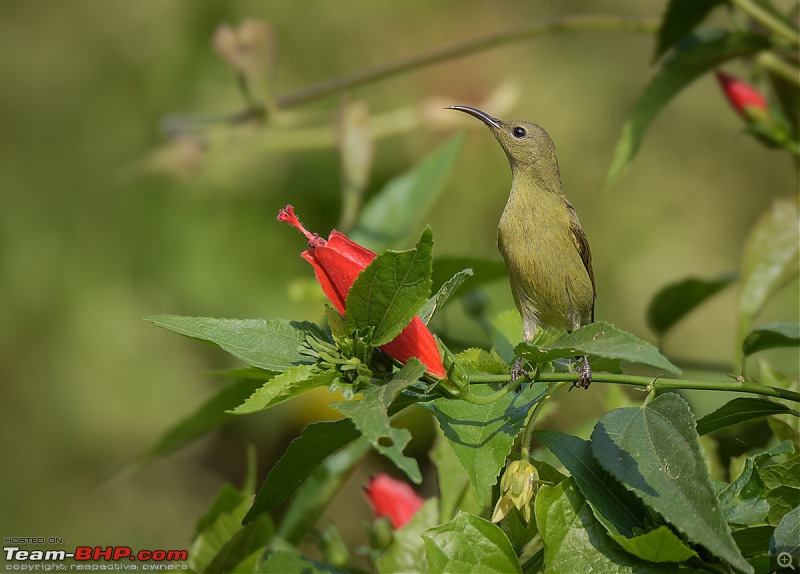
(540, 237)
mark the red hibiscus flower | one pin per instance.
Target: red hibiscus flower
(393, 498)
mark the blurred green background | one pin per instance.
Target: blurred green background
(101, 225)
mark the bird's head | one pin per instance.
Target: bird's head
(526, 144)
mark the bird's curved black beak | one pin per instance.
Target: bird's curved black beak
(476, 113)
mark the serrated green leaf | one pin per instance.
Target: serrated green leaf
(655, 546)
(316, 493)
(390, 291)
(603, 340)
(243, 549)
(435, 303)
(211, 414)
(771, 336)
(740, 410)
(285, 386)
(371, 418)
(771, 254)
(305, 454)
(606, 495)
(283, 561)
(676, 74)
(468, 544)
(680, 19)
(406, 553)
(654, 452)
(676, 300)
(573, 539)
(273, 344)
(482, 435)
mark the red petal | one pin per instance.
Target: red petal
(393, 498)
(350, 249)
(740, 94)
(416, 341)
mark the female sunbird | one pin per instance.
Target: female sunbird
(545, 249)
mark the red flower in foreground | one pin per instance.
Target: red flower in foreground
(337, 262)
(743, 97)
(393, 498)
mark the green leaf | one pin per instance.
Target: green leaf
(273, 345)
(740, 410)
(480, 361)
(770, 259)
(606, 495)
(316, 493)
(406, 553)
(680, 20)
(674, 75)
(455, 491)
(787, 535)
(485, 270)
(283, 561)
(305, 454)
(244, 548)
(370, 417)
(771, 336)
(675, 301)
(227, 499)
(482, 435)
(573, 539)
(390, 291)
(654, 452)
(211, 414)
(285, 386)
(435, 303)
(210, 541)
(657, 546)
(744, 501)
(468, 544)
(393, 216)
(507, 334)
(600, 339)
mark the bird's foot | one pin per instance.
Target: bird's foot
(517, 372)
(585, 376)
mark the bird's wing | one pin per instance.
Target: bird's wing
(582, 245)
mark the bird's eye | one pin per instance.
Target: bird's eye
(519, 132)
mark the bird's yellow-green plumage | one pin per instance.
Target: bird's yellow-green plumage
(546, 252)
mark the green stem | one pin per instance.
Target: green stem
(769, 21)
(552, 389)
(463, 48)
(659, 384)
(779, 66)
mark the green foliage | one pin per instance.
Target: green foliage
(391, 291)
(675, 301)
(274, 345)
(741, 410)
(468, 544)
(386, 222)
(371, 418)
(771, 336)
(407, 550)
(286, 385)
(602, 340)
(683, 68)
(435, 303)
(482, 435)
(680, 19)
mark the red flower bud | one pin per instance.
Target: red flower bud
(337, 262)
(393, 498)
(744, 98)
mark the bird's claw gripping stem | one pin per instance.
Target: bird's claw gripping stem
(517, 372)
(585, 378)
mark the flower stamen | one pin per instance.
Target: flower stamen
(287, 215)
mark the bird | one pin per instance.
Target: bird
(540, 237)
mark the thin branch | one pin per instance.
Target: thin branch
(769, 21)
(659, 384)
(463, 48)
